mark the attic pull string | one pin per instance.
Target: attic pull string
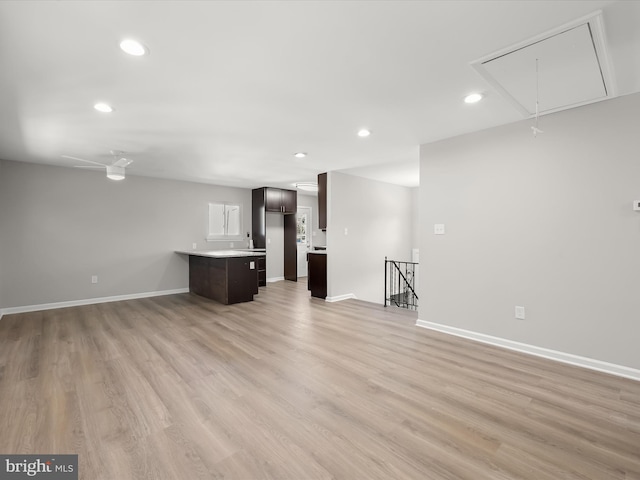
(535, 128)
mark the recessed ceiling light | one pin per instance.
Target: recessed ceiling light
(473, 98)
(103, 107)
(133, 47)
(364, 133)
(308, 186)
(300, 155)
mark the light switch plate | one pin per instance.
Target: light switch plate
(520, 313)
(438, 229)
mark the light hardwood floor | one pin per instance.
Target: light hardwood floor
(289, 387)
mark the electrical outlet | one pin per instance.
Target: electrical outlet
(636, 205)
(194, 245)
(520, 313)
(438, 229)
(94, 278)
(346, 231)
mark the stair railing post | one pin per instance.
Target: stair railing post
(385, 281)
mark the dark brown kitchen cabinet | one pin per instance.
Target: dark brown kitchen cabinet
(262, 271)
(280, 201)
(273, 199)
(267, 200)
(289, 201)
(317, 274)
(322, 201)
(227, 280)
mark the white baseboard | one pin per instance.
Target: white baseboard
(339, 298)
(89, 301)
(563, 357)
(275, 279)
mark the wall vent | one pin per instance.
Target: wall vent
(574, 68)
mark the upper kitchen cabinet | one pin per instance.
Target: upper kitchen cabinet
(289, 201)
(322, 201)
(280, 201)
(272, 199)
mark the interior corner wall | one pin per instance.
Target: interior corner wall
(61, 225)
(545, 223)
(367, 220)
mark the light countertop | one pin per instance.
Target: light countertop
(224, 253)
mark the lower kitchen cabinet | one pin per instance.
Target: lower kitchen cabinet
(227, 280)
(317, 275)
(262, 271)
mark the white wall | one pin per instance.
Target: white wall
(377, 217)
(415, 217)
(59, 226)
(545, 223)
(275, 246)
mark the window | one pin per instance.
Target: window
(225, 221)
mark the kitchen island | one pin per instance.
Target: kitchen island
(227, 276)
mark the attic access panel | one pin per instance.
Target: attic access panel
(572, 69)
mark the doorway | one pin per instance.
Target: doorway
(303, 238)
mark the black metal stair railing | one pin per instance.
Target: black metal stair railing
(400, 284)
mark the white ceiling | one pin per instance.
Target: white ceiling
(231, 90)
